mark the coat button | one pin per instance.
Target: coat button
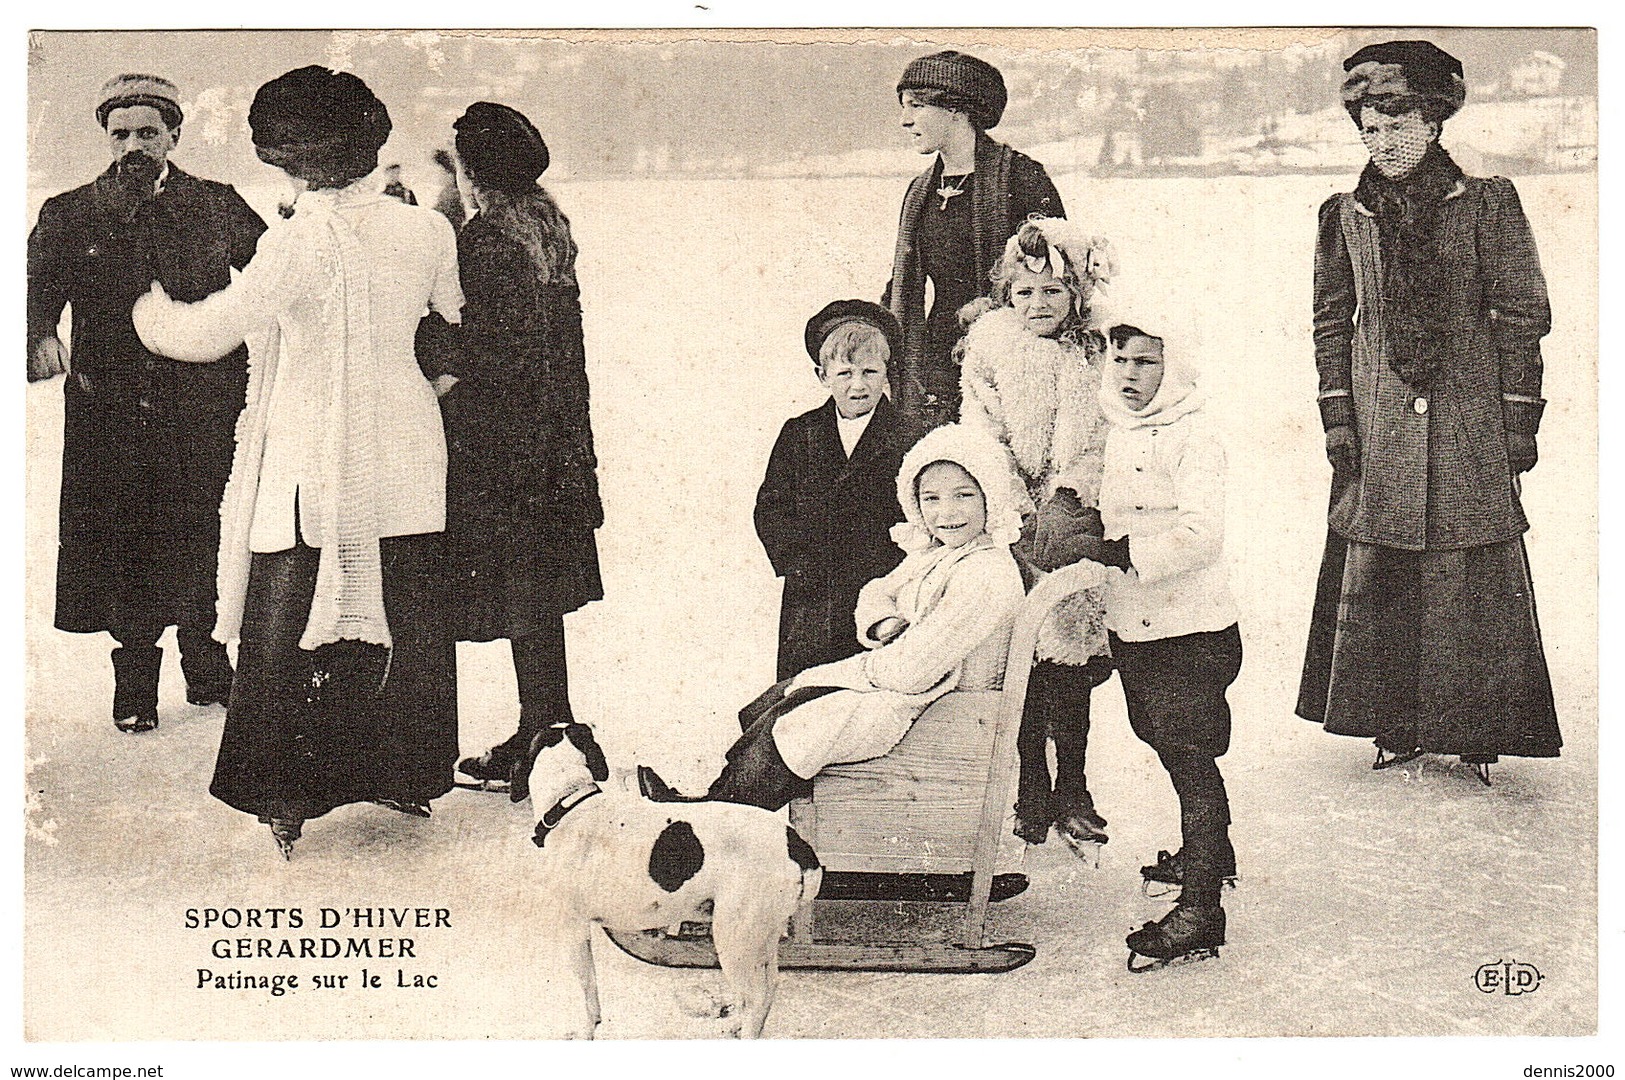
(1420, 405)
(1145, 622)
(1139, 508)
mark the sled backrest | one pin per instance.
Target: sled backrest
(938, 801)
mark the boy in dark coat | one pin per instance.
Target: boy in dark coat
(825, 510)
(147, 442)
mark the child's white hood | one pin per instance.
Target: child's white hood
(1178, 396)
(987, 461)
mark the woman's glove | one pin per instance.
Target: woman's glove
(1343, 449)
(1521, 452)
(888, 630)
(1522, 421)
(1104, 552)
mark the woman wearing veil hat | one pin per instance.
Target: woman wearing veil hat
(1429, 309)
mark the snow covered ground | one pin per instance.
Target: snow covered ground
(1368, 900)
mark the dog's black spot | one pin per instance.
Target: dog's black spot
(801, 851)
(677, 855)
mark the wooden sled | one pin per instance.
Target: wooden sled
(935, 804)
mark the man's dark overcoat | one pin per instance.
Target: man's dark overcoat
(826, 521)
(147, 442)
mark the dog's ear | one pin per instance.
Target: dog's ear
(581, 737)
(519, 785)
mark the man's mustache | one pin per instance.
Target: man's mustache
(138, 165)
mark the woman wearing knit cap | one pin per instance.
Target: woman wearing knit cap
(331, 525)
(522, 491)
(956, 218)
(1429, 310)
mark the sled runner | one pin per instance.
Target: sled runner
(936, 804)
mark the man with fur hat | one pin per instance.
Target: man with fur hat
(147, 442)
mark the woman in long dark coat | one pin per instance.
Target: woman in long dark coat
(1429, 309)
(522, 491)
(956, 218)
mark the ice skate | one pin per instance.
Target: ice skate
(1087, 851)
(489, 772)
(1031, 828)
(1079, 824)
(410, 809)
(1185, 935)
(1389, 759)
(1081, 836)
(1168, 874)
(1480, 764)
(285, 831)
(137, 724)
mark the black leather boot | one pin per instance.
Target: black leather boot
(135, 687)
(207, 669)
(1188, 932)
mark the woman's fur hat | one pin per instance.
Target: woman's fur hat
(988, 463)
(1397, 76)
(323, 126)
(500, 147)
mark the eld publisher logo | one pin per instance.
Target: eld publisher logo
(1508, 977)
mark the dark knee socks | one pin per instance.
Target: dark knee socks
(756, 774)
(1204, 815)
(1057, 708)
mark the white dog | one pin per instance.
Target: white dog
(616, 859)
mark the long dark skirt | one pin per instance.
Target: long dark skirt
(349, 722)
(1432, 649)
(501, 590)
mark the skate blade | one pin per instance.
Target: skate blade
(1156, 890)
(1088, 852)
(1156, 964)
(499, 786)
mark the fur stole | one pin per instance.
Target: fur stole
(1041, 398)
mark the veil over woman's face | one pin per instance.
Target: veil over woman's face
(1397, 144)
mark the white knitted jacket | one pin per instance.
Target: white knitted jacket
(337, 410)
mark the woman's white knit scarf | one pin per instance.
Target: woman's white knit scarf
(342, 505)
